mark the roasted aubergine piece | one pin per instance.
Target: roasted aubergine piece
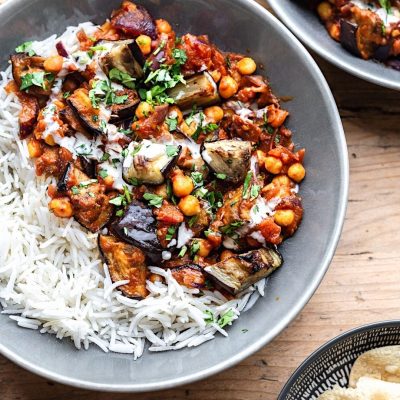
(199, 90)
(191, 276)
(87, 115)
(120, 112)
(138, 227)
(28, 115)
(228, 157)
(29, 74)
(149, 162)
(91, 205)
(125, 262)
(124, 55)
(237, 273)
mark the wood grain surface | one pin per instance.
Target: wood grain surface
(361, 286)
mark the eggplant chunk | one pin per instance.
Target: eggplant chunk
(348, 39)
(69, 117)
(191, 276)
(239, 272)
(138, 227)
(88, 116)
(149, 162)
(126, 109)
(125, 262)
(134, 20)
(28, 115)
(23, 65)
(126, 57)
(228, 157)
(199, 90)
(91, 205)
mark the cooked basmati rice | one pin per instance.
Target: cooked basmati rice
(51, 276)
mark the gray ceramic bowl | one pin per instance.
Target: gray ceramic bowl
(307, 27)
(236, 25)
(330, 365)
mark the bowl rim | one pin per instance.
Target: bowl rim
(309, 40)
(323, 348)
(324, 264)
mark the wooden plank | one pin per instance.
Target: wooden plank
(360, 287)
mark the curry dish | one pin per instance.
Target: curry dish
(174, 151)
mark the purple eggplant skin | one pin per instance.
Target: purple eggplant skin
(88, 166)
(61, 49)
(126, 110)
(348, 37)
(394, 63)
(139, 228)
(62, 184)
(137, 53)
(382, 53)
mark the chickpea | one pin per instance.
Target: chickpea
(34, 148)
(190, 206)
(284, 217)
(163, 26)
(143, 110)
(228, 87)
(182, 185)
(108, 181)
(216, 75)
(281, 180)
(53, 64)
(226, 254)
(144, 43)
(49, 140)
(334, 31)
(205, 247)
(296, 172)
(175, 112)
(215, 113)
(155, 278)
(273, 165)
(324, 10)
(247, 66)
(61, 207)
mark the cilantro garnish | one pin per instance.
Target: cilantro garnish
(153, 199)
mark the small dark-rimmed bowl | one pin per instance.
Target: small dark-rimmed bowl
(330, 365)
(304, 23)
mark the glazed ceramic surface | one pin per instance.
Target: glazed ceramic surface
(240, 26)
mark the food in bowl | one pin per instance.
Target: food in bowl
(161, 155)
(374, 375)
(368, 29)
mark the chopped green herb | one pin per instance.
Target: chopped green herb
(126, 132)
(117, 75)
(91, 194)
(26, 48)
(172, 123)
(246, 185)
(172, 151)
(226, 318)
(244, 330)
(105, 157)
(170, 233)
(197, 178)
(134, 182)
(193, 220)
(66, 95)
(95, 118)
(228, 62)
(103, 126)
(209, 317)
(36, 79)
(386, 5)
(230, 229)
(183, 251)
(119, 213)
(221, 176)
(127, 194)
(194, 248)
(136, 150)
(103, 173)
(153, 199)
(75, 190)
(254, 191)
(88, 182)
(117, 201)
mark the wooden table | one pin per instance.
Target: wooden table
(361, 286)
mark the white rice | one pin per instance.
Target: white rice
(51, 276)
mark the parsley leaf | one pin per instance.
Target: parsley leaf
(103, 173)
(197, 178)
(26, 48)
(172, 123)
(386, 5)
(221, 176)
(170, 233)
(172, 151)
(209, 317)
(153, 199)
(35, 79)
(183, 251)
(230, 229)
(226, 318)
(246, 185)
(127, 80)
